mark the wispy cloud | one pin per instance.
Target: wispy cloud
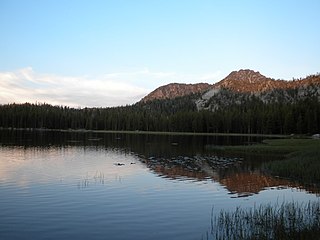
(25, 85)
(113, 89)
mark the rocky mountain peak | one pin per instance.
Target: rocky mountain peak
(246, 80)
(245, 75)
(253, 82)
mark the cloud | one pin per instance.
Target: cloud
(112, 89)
(25, 85)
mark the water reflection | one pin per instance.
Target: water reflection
(64, 165)
(249, 183)
(173, 157)
(70, 185)
(239, 182)
(147, 145)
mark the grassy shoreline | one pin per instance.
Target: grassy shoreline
(277, 146)
(300, 158)
(302, 165)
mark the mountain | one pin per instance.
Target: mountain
(243, 102)
(251, 81)
(174, 90)
(243, 86)
(238, 87)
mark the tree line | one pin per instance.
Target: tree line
(172, 115)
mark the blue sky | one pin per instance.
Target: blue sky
(113, 52)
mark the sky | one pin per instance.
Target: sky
(113, 52)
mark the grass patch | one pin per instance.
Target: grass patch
(286, 221)
(302, 165)
(300, 158)
(271, 146)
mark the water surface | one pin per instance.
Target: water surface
(115, 186)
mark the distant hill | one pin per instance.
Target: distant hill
(174, 90)
(242, 81)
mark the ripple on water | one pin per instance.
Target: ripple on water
(64, 193)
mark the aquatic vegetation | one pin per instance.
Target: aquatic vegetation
(290, 220)
(296, 159)
(97, 178)
(270, 146)
(303, 164)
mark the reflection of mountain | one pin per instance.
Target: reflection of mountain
(248, 183)
(242, 183)
(198, 167)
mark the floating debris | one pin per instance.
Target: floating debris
(119, 164)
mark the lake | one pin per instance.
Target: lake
(63, 185)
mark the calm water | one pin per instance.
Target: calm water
(116, 186)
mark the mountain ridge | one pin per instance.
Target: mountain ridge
(250, 81)
(229, 106)
(244, 81)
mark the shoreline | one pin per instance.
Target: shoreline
(138, 132)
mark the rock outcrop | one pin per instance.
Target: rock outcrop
(174, 90)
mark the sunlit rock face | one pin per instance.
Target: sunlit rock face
(174, 90)
(248, 81)
(251, 81)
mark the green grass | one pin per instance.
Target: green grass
(272, 146)
(286, 221)
(299, 159)
(302, 164)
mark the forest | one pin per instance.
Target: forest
(172, 115)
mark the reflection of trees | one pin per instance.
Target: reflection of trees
(142, 144)
(178, 172)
